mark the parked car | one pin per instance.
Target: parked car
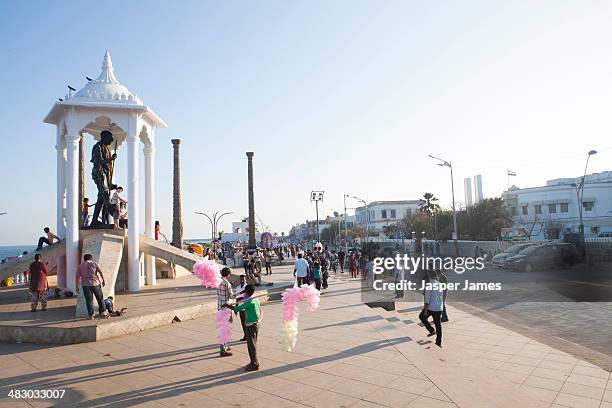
(499, 259)
(543, 256)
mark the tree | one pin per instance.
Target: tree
(430, 207)
(552, 229)
(484, 220)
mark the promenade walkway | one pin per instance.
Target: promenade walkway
(347, 355)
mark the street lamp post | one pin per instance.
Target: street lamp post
(449, 165)
(345, 227)
(214, 221)
(367, 215)
(581, 190)
(317, 196)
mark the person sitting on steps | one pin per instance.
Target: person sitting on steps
(48, 239)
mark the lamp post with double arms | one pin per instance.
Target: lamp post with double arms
(214, 221)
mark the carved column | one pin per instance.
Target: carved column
(252, 240)
(177, 220)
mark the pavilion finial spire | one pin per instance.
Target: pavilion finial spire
(107, 75)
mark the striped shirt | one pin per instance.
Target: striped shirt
(224, 293)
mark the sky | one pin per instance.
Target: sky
(342, 96)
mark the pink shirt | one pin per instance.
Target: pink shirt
(88, 272)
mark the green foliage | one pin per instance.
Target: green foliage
(482, 221)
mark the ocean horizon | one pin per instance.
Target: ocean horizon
(15, 250)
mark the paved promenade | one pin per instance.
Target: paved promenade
(347, 355)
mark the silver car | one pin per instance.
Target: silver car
(499, 259)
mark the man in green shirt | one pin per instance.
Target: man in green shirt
(251, 307)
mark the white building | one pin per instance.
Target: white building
(467, 186)
(478, 194)
(309, 228)
(383, 213)
(556, 205)
(240, 233)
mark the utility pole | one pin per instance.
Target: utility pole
(581, 189)
(345, 228)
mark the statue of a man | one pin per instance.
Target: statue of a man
(102, 174)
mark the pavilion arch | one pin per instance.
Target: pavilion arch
(104, 104)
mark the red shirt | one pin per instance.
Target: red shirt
(38, 276)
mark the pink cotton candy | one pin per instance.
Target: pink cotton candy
(224, 325)
(208, 272)
(290, 313)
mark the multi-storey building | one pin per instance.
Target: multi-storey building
(555, 206)
(383, 213)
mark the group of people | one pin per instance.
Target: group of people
(315, 265)
(118, 210)
(88, 275)
(242, 302)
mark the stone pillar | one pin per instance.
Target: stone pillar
(133, 259)
(149, 156)
(72, 209)
(177, 220)
(252, 240)
(60, 148)
(81, 174)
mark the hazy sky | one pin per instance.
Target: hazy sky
(343, 96)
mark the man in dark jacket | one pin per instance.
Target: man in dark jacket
(38, 284)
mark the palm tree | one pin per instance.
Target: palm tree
(430, 207)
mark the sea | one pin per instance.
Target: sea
(15, 250)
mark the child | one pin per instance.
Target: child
(252, 311)
(115, 201)
(241, 296)
(110, 307)
(85, 211)
(316, 275)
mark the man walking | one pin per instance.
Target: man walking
(434, 304)
(300, 269)
(92, 281)
(225, 294)
(38, 284)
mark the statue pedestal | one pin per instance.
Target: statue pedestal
(99, 226)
